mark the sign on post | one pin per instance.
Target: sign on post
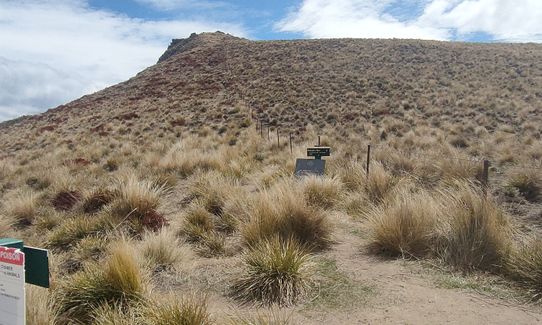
(318, 152)
(12, 295)
(314, 166)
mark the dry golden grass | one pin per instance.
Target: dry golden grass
(321, 192)
(172, 310)
(118, 282)
(380, 183)
(39, 307)
(528, 182)
(404, 226)
(163, 251)
(137, 197)
(285, 214)
(277, 272)
(22, 208)
(525, 266)
(273, 317)
(5, 226)
(475, 234)
(184, 147)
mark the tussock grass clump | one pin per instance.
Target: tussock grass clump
(66, 200)
(137, 202)
(405, 226)
(213, 190)
(322, 192)
(97, 200)
(356, 204)
(190, 310)
(353, 175)
(475, 234)
(22, 208)
(285, 214)
(118, 282)
(138, 197)
(528, 183)
(198, 221)
(162, 250)
(379, 183)
(5, 225)
(48, 220)
(277, 272)
(39, 307)
(212, 244)
(71, 231)
(524, 265)
(456, 167)
(271, 318)
(114, 315)
(91, 248)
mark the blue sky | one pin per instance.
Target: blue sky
(54, 51)
(258, 17)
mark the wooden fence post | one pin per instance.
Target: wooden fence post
(278, 138)
(268, 132)
(291, 148)
(261, 128)
(368, 160)
(318, 141)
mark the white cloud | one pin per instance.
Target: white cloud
(353, 18)
(512, 20)
(56, 51)
(508, 20)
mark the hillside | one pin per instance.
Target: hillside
(215, 79)
(163, 200)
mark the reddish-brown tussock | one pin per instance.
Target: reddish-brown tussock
(65, 200)
(153, 220)
(48, 128)
(127, 116)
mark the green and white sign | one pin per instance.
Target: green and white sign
(12, 280)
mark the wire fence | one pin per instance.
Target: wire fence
(482, 165)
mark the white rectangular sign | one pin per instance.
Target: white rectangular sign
(12, 298)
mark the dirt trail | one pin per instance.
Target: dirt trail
(401, 292)
(405, 294)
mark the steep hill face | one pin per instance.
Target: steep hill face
(216, 80)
